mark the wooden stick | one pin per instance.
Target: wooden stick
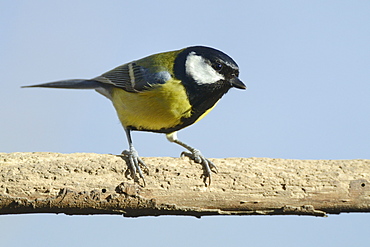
(82, 183)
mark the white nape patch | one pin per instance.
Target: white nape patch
(200, 71)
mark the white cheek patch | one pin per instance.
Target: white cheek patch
(200, 71)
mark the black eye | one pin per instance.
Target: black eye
(217, 66)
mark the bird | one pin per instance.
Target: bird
(164, 93)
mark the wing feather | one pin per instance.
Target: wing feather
(133, 78)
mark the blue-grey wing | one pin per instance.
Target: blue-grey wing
(133, 78)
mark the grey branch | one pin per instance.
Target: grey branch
(83, 183)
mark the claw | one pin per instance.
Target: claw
(208, 166)
(133, 162)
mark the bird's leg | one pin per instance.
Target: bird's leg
(132, 159)
(196, 156)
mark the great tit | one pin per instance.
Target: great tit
(164, 93)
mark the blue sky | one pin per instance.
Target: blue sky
(306, 65)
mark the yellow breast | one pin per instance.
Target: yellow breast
(162, 106)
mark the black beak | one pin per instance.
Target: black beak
(236, 82)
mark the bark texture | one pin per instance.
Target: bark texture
(82, 183)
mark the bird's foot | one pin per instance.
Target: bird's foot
(133, 162)
(208, 166)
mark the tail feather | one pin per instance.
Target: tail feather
(71, 84)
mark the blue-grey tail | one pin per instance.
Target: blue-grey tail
(71, 84)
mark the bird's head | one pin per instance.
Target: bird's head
(208, 67)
